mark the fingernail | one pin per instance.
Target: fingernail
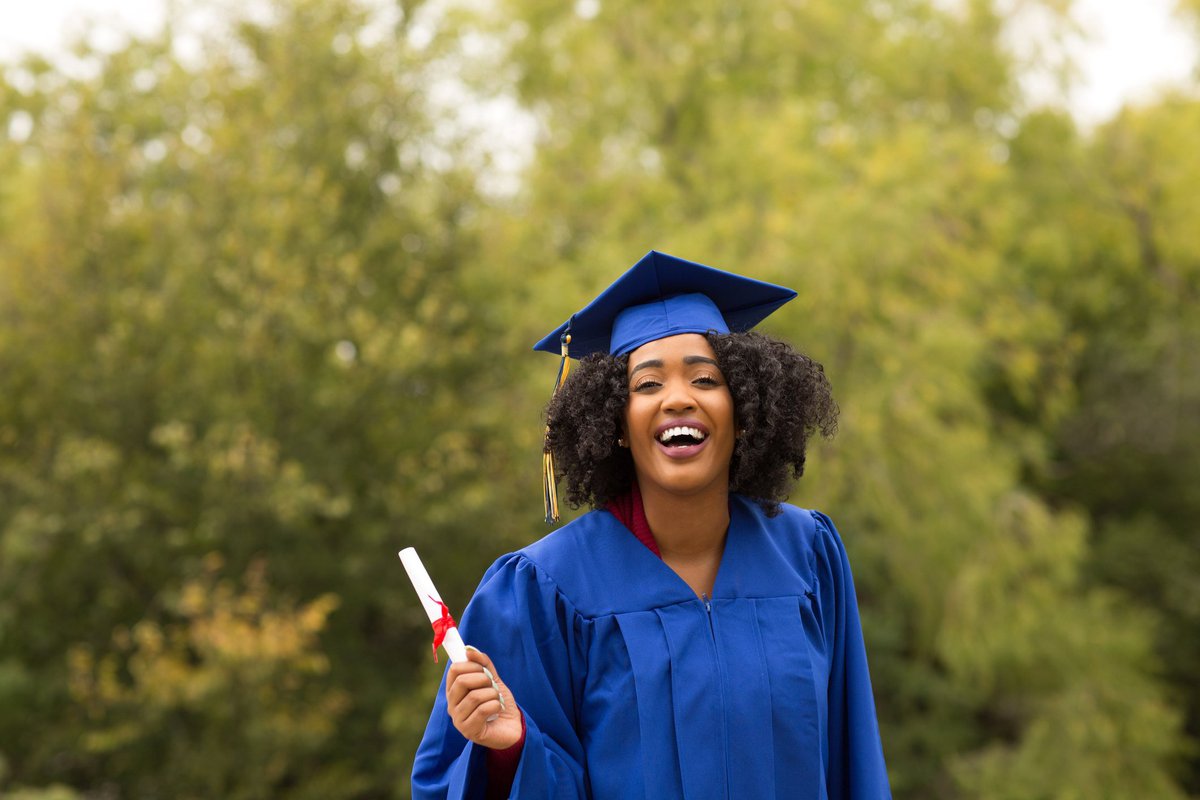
(472, 647)
(495, 686)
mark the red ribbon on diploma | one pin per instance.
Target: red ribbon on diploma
(440, 626)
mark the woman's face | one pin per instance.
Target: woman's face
(679, 420)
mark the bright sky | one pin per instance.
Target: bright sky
(1136, 44)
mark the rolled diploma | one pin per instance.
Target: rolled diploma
(453, 643)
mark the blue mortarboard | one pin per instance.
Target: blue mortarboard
(662, 296)
(659, 296)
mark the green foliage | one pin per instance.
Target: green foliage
(56, 792)
(264, 317)
(1112, 248)
(236, 681)
(240, 315)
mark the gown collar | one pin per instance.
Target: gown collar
(605, 569)
(750, 563)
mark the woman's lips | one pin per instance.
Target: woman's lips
(682, 451)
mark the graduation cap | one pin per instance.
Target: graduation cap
(659, 296)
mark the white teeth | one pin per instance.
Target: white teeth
(671, 433)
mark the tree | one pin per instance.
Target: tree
(1109, 244)
(244, 313)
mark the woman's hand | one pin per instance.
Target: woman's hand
(480, 705)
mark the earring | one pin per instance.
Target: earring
(622, 443)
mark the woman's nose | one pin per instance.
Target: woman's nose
(678, 396)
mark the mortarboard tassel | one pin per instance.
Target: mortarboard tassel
(549, 484)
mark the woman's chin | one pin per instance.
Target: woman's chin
(684, 480)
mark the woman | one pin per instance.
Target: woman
(693, 637)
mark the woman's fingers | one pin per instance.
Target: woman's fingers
(466, 677)
(465, 707)
(474, 711)
(485, 713)
(479, 657)
(460, 685)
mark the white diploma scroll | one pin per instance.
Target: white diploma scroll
(432, 602)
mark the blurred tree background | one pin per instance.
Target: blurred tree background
(265, 311)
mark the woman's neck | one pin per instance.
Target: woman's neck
(690, 532)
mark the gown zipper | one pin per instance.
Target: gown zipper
(712, 631)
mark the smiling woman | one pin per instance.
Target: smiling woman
(781, 398)
(693, 637)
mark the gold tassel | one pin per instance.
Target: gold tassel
(549, 483)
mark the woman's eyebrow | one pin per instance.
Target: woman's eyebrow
(654, 362)
(689, 360)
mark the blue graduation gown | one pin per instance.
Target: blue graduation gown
(632, 687)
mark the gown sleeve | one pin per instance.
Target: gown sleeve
(529, 630)
(856, 769)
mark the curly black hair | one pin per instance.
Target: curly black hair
(780, 398)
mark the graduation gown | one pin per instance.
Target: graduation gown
(634, 687)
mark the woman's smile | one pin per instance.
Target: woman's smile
(682, 438)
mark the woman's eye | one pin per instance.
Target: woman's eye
(707, 380)
(646, 385)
